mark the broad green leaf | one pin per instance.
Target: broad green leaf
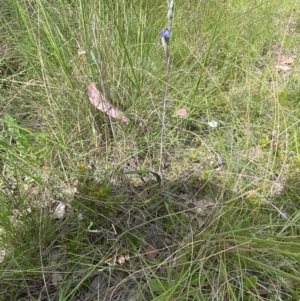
(158, 286)
(250, 282)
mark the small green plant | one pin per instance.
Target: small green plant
(28, 144)
(23, 150)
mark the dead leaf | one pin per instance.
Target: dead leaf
(151, 252)
(286, 60)
(289, 282)
(121, 260)
(283, 67)
(95, 284)
(2, 255)
(212, 123)
(284, 63)
(60, 211)
(57, 278)
(182, 113)
(2, 251)
(102, 104)
(81, 52)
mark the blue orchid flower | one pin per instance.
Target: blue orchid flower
(165, 33)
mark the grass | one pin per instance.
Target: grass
(84, 214)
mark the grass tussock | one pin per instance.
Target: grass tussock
(84, 213)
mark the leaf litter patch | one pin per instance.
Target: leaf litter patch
(140, 223)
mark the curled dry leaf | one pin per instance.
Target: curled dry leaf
(101, 103)
(182, 113)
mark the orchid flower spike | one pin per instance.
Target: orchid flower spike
(165, 33)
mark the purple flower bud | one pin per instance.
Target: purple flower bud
(166, 33)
